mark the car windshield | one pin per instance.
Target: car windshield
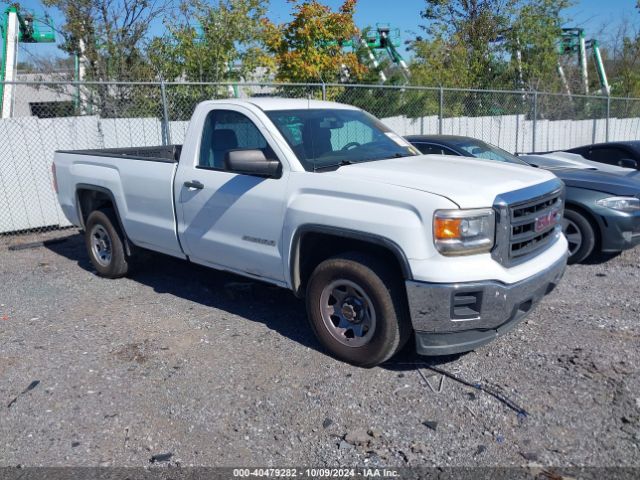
(479, 149)
(326, 138)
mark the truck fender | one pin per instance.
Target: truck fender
(370, 238)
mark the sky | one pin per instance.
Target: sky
(599, 18)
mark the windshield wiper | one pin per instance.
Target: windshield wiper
(351, 162)
(333, 165)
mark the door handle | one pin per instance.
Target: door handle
(194, 184)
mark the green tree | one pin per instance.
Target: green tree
(490, 44)
(461, 40)
(441, 61)
(626, 81)
(625, 67)
(213, 42)
(533, 34)
(310, 47)
(109, 35)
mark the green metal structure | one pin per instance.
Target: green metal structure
(573, 42)
(377, 42)
(18, 26)
(384, 40)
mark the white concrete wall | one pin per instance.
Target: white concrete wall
(515, 134)
(27, 199)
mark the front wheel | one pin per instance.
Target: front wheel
(357, 309)
(580, 235)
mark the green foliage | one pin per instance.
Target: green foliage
(308, 49)
(109, 35)
(212, 43)
(535, 31)
(468, 44)
(626, 69)
(444, 62)
(460, 35)
(489, 44)
(622, 59)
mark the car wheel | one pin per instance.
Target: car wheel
(356, 305)
(580, 235)
(105, 244)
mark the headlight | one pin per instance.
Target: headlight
(463, 232)
(621, 204)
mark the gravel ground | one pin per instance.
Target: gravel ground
(181, 365)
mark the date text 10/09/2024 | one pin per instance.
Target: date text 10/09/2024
(315, 472)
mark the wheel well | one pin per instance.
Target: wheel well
(94, 198)
(591, 219)
(90, 200)
(314, 247)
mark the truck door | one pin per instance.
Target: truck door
(226, 219)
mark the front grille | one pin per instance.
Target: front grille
(517, 213)
(533, 225)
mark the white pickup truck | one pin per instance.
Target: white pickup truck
(323, 199)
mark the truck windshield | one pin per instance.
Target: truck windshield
(326, 138)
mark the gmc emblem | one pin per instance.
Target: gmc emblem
(546, 221)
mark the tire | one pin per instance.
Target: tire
(372, 323)
(105, 244)
(580, 234)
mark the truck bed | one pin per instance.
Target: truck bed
(161, 153)
(140, 181)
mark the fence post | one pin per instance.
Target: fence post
(607, 121)
(535, 121)
(324, 92)
(441, 111)
(166, 135)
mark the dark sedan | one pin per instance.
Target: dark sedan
(622, 154)
(602, 210)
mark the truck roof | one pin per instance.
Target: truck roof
(276, 103)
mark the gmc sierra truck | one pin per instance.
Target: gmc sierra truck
(323, 199)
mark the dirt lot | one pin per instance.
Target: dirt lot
(181, 365)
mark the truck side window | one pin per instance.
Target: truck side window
(226, 130)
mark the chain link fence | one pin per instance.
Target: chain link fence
(43, 117)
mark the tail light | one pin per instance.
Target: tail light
(55, 178)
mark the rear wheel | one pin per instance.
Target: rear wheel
(105, 244)
(580, 236)
(357, 309)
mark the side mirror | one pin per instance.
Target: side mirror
(251, 162)
(627, 163)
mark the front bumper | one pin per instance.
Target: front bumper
(458, 317)
(620, 231)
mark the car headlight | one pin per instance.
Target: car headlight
(464, 232)
(621, 204)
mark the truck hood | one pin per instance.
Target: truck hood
(468, 182)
